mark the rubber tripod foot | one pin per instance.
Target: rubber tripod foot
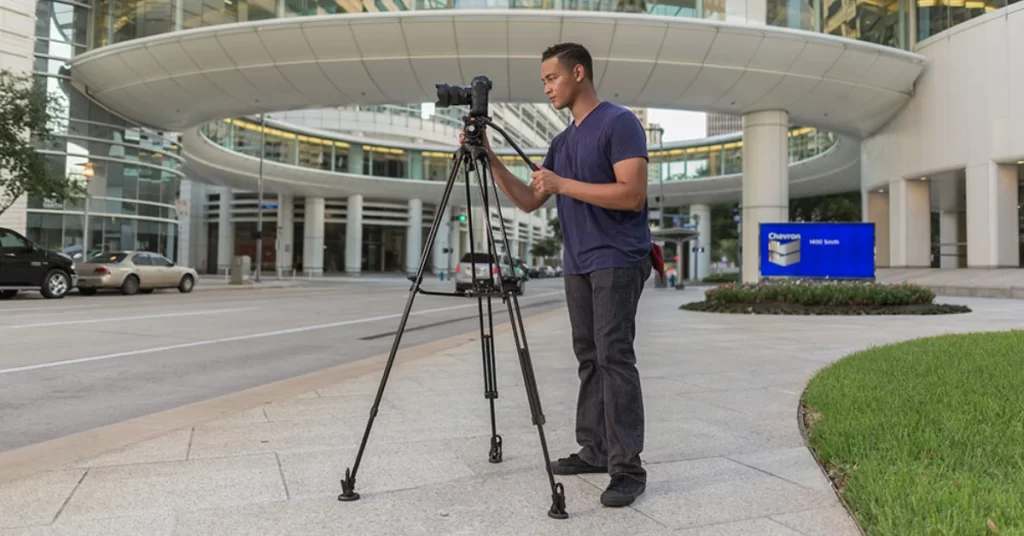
(557, 510)
(495, 453)
(347, 488)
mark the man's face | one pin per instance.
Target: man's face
(560, 84)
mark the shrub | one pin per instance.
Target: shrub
(819, 293)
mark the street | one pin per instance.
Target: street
(79, 363)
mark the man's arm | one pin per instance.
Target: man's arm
(628, 192)
(526, 198)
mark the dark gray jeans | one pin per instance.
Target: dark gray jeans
(610, 409)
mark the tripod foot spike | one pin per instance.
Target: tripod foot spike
(347, 488)
(495, 455)
(558, 503)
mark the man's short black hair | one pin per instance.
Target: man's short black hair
(571, 55)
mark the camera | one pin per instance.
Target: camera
(473, 95)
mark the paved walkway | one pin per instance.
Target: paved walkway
(724, 453)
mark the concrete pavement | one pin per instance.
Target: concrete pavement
(724, 452)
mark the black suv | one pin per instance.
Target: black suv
(27, 266)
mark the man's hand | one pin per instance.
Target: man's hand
(544, 181)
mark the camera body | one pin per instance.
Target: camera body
(474, 95)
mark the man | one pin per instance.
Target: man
(597, 168)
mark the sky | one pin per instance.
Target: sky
(679, 125)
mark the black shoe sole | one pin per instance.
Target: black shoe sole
(560, 470)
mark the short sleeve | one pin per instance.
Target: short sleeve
(627, 139)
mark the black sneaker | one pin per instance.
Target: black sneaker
(622, 491)
(574, 465)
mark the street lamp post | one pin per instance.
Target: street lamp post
(87, 172)
(259, 200)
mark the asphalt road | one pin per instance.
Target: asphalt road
(71, 365)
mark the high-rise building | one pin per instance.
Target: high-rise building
(718, 124)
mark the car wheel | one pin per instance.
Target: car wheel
(89, 291)
(130, 285)
(186, 285)
(8, 294)
(56, 285)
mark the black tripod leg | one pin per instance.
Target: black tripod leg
(486, 333)
(349, 482)
(557, 510)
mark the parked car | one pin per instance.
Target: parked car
(133, 271)
(479, 264)
(25, 265)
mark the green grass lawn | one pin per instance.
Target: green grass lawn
(926, 436)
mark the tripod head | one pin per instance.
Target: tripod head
(477, 97)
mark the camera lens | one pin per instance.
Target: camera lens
(453, 95)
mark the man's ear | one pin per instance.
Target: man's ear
(579, 73)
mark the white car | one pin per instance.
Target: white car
(481, 264)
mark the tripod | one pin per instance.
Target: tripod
(471, 156)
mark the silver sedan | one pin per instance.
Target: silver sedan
(133, 271)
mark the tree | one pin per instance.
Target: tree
(826, 208)
(28, 115)
(545, 247)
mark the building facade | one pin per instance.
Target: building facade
(912, 106)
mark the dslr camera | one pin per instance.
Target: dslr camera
(473, 95)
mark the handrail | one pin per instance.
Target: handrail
(330, 151)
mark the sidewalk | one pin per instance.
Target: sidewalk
(724, 453)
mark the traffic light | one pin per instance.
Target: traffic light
(462, 217)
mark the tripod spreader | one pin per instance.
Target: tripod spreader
(472, 156)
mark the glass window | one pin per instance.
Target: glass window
(797, 14)
(875, 21)
(159, 260)
(141, 259)
(12, 240)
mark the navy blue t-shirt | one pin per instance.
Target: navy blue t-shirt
(596, 238)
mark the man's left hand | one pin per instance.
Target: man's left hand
(545, 181)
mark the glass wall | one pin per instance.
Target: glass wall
(877, 21)
(678, 161)
(934, 16)
(132, 174)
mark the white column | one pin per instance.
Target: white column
(225, 232)
(313, 237)
(284, 247)
(184, 257)
(949, 196)
(700, 262)
(513, 238)
(414, 237)
(876, 210)
(354, 235)
(765, 180)
(992, 216)
(443, 240)
(531, 223)
(910, 224)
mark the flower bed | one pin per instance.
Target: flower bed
(805, 297)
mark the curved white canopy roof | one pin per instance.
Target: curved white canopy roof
(181, 79)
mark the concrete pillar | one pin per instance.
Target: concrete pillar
(283, 246)
(415, 165)
(700, 262)
(355, 159)
(993, 233)
(765, 181)
(530, 229)
(949, 198)
(313, 237)
(513, 233)
(876, 210)
(225, 232)
(910, 224)
(183, 255)
(354, 235)
(414, 237)
(443, 240)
